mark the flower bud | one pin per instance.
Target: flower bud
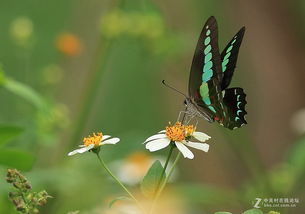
(28, 186)
(20, 208)
(35, 210)
(13, 195)
(42, 202)
(17, 185)
(9, 180)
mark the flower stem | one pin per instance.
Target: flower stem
(165, 167)
(117, 180)
(164, 183)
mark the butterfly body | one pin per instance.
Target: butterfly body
(211, 73)
(195, 110)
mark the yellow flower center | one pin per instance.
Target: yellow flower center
(189, 130)
(95, 139)
(176, 132)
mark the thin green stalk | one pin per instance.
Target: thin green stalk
(165, 166)
(164, 183)
(119, 182)
(97, 71)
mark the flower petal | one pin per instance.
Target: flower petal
(81, 150)
(162, 132)
(201, 136)
(155, 137)
(105, 137)
(201, 146)
(110, 141)
(184, 150)
(157, 144)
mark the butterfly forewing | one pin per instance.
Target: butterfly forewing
(229, 58)
(206, 73)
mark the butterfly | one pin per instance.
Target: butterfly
(209, 95)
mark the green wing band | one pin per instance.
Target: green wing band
(204, 92)
(208, 64)
(228, 54)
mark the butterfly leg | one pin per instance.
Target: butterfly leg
(185, 113)
(196, 121)
(187, 118)
(190, 117)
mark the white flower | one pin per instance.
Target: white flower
(93, 142)
(180, 135)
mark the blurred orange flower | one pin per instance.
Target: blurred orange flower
(68, 44)
(132, 170)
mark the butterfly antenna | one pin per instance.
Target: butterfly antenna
(164, 83)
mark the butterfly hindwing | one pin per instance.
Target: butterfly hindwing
(235, 100)
(229, 58)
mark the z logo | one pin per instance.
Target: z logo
(257, 202)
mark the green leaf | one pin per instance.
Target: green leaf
(16, 159)
(25, 92)
(118, 199)
(222, 213)
(151, 179)
(273, 212)
(8, 133)
(253, 211)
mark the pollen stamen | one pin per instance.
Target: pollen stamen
(95, 139)
(189, 130)
(176, 132)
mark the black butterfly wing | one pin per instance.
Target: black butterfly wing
(235, 100)
(206, 73)
(229, 58)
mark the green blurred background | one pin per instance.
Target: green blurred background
(74, 67)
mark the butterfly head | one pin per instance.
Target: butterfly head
(187, 101)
